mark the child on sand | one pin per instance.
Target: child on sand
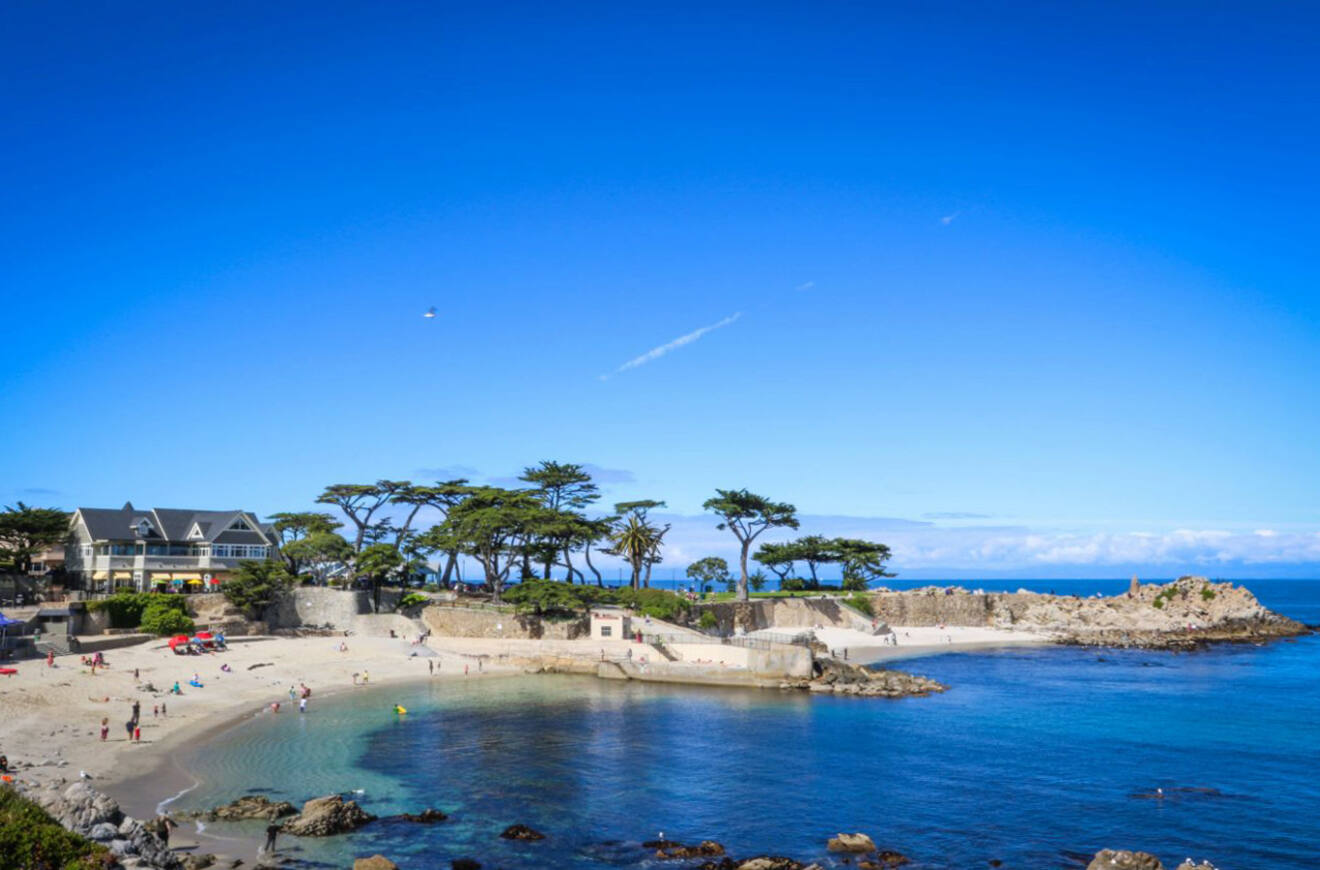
(105, 728)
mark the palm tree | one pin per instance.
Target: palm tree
(637, 542)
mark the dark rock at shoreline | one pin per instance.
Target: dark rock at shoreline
(890, 858)
(92, 814)
(425, 817)
(841, 678)
(465, 864)
(672, 849)
(521, 832)
(326, 816)
(245, 808)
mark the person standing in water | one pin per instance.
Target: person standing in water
(271, 831)
(302, 705)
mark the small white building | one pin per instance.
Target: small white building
(610, 623)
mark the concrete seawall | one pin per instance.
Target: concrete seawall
(785, 613)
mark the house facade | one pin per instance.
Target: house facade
(161, 548)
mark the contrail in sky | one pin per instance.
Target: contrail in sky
(656, 352)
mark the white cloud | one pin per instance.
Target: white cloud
(656, 352)
(805, 285)
(950, 218)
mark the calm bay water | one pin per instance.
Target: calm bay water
(1031, 756)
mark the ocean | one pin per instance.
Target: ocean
(1035, 757)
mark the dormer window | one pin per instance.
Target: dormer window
(143, 528)
(195, 533)
(239, 525)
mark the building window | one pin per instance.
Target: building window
(240, 525)
(607, 631)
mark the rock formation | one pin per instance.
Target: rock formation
(841, 678)
(326, 816)
(245, 808)
(1189, 612)
(521, 832)
(850, 843)
(96, 816)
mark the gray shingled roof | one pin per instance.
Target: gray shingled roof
(107, 524)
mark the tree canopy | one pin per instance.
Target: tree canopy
(747, 515)
(26, 531)
(708, 571)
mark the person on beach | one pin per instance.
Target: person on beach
(355, 678)
(365, 677)
(162, 703)
(274, 706)
(137, 710)
(105, 728)
(137, 733)
(430, 664)
(129, 726)
(50, 658)
(271, 831)
(176, 690)
(155, 710)
(302, 705)
(293, 693)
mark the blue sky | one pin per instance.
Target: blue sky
(1019, 288)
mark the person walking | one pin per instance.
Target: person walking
(302, 705)
(105, 728)
(430, 664)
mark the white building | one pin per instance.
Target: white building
(162, 547)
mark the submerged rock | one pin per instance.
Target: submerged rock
(425, 817)
(326, 816)
(465, 864)
(521, 832)
(375, 862)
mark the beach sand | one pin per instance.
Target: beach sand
(916, 641)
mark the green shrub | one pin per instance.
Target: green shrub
(32, 839)
(1158, 603)
(125, 608)
(854, 584)
(707, 620)
(656, 603)
(1207, 594)
(862, 603)
(793, 584)
(412, 599)
(256, 585)
(162, 619)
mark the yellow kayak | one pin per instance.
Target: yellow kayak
(400, 710)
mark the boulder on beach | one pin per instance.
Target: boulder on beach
(1122, 859)
(521, 832)
(850, 843)
(375, 862)
(326, 816)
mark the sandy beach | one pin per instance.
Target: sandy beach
(53, 715)
(915, 641)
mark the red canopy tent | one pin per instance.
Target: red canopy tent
(177, 641)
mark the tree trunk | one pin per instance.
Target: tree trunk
(742, 562)
(449, 568)
(587, 555)
(647, 582)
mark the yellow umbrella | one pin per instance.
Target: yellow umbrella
(194, 582)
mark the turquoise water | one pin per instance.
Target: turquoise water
(1033, 758)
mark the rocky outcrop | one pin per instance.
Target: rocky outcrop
(764, 862)
(425, 817)
(96, 816)
(245, 808)
(327, 816)
(671, 849)
(838, 677)
(1187, 613)
(465, 864)
(521, 832)
(850, 843)
(1122, 859)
